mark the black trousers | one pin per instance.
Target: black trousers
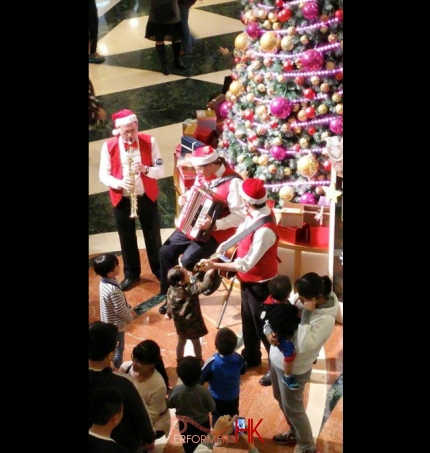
(192, 252)
(253, 294)
(93, 26)
(149, 219)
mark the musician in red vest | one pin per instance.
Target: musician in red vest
(130, 165)
(212, 172)
(256, 263)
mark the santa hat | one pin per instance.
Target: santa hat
(252, 190)
(122, 118)
(203, 155)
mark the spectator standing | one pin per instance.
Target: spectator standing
(135, 429)
(106, 413)
(94, 56)
(114, 307)
(316, 325)
(164, 24)
(187, 39)
(130, 165)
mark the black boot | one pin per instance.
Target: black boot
(177, 63)
(162, 56)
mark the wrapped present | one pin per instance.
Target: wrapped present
(206, 119)
(178, 151)
(318, 236)
(291, 215)
(316, 214)
(189, 144)
(294, 235)
(208, 136)
(191, 130)
(188, 122)
(187, 173)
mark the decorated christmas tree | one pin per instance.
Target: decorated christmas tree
(286, 97)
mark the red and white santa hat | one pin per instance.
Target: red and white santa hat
(253, 191)
(122, 118)
(203, 155)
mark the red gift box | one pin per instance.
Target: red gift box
(318, 236)
(292, 235)
(187, 175)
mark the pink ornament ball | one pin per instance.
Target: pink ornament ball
(312, 60)
(308, 198)
(278, 152)
(336, 126)
(253, 30)
(310, 10)
(280, 107)
(223, 110)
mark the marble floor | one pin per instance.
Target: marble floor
(130, 78)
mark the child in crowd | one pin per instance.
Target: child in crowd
(106, 409)
(193, 403)
(183, 305)
(146, 369)
(284, 319)
(223, 371)
(114, 307)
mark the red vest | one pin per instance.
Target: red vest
(267, 267)
(222, 191)
(149, 184)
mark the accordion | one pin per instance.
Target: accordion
(201, 202)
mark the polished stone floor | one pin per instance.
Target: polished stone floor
(130, 78)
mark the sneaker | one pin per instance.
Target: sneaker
(290, 382)
(284, 439)
(96, 58)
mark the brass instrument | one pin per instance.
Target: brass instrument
(132, 191)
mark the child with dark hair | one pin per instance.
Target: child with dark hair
(147, 371)
(106, 409)
(183, 305)
(284, 320)
(114, 308)
(223, 371)
(193, 403)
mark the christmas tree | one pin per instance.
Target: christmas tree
(286, 96)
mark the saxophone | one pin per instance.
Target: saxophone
(132, 192)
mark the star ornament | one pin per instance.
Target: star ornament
(331, 192)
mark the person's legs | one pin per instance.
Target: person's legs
(187, 41)
(197, 348)
(119, 351)
(160, 48)
(93, 26)
(126, 228)
(150, 221)
(180, 348)
(177, 63)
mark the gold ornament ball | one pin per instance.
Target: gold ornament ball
(262, 14)
(301, 115)
(233, 98)
(250, 97)
(261, 109)
(277, 141)
(319, 190)
(241, 41)
(252, 147)
(307, 165)
(268, 61)
(285, 127)
(286, 41)
(336, 97)
(269, 41)
(304, 40)
(273, 169)
(228, 95)
(256, 64)
(261, 130)
(339, 109)
(287, 171)
(265, 116)
(273, 17)
(296, 107)
(286, 193)
(240, 158)
(330, 65)
(267, 25)
(303, 142)
(325, 135)
(280, 78)
(263, 159)
(324, 29)
(332, 38)
(297, 130)
(258, 78)
(315, 80)
(236, 87)
(325, 87)
(291, 31)
(322, 109)
(277, 26)
(261, 88)
(255, 159)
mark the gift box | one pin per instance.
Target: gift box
(191, 130)
(215, 105)
(318, 236)
(316, 214)
(186, 123)
(293, 235)
(189, 144)
(206, 119)
(178, 151)
(291, 215)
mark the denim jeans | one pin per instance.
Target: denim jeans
(118, 359)
(187, 41)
